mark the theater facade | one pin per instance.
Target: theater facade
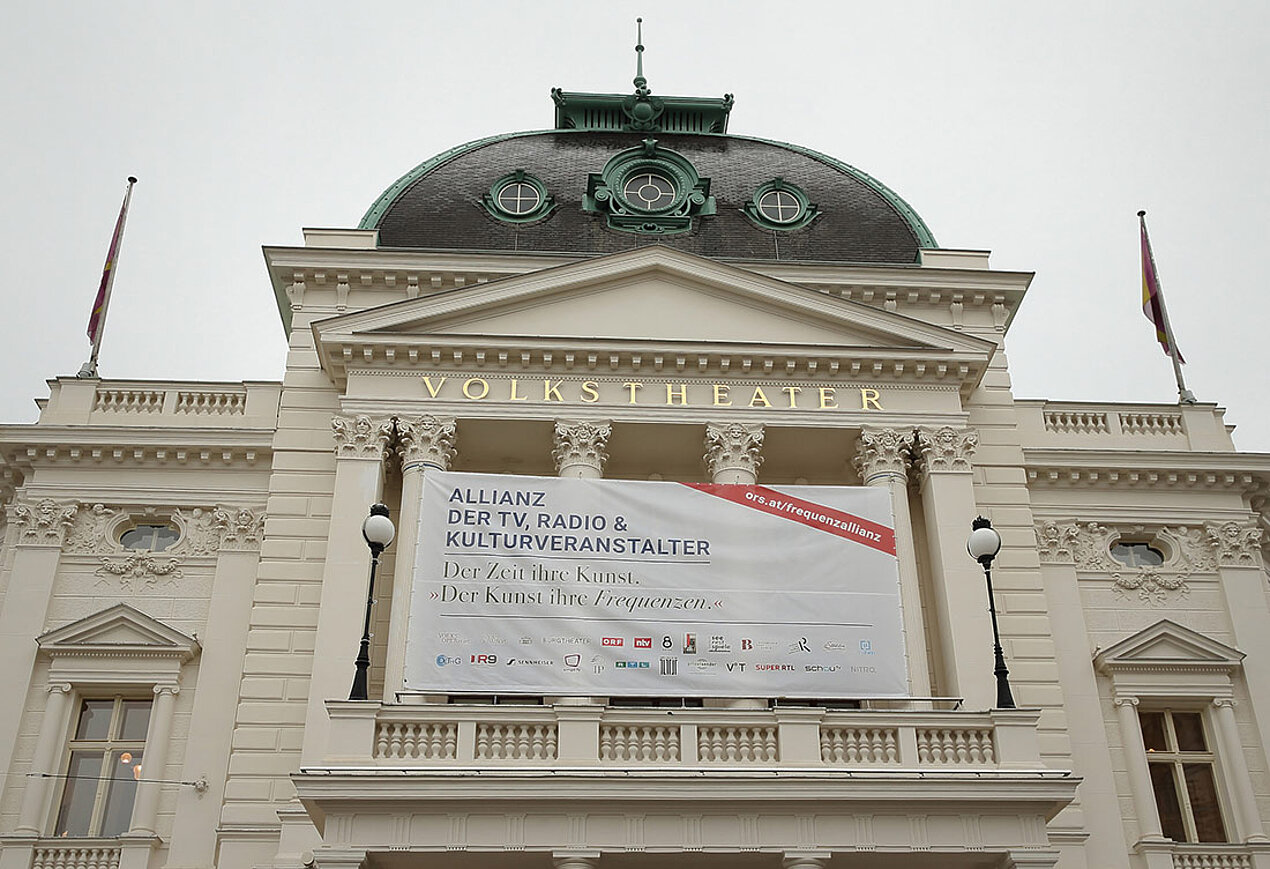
(635, 296)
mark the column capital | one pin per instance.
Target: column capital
(166, 688)
(575, 859)
(883, 452)
(1235, 544)
(426, 440)
(1123, 700)
(581, 447)
(805, 859)
(1223, 702)
(59, 688)
(733, 447)
(43, 522)
(945, 449)
(361, 436)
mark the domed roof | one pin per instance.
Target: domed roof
(623, 171)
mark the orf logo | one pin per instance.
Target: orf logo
(611, 641)
(643, 642)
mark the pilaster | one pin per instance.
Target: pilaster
(959, 592)
(360, 448)
(883, 461)
(424, 443)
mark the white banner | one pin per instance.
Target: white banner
(543, 585)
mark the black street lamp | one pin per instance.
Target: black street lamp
(983, 546)
(378, 531)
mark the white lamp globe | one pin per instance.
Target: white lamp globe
(984, 540)
(378, 528)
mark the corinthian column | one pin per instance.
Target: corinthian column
(423, 443)
(883, 462)
(361, 445)
(959, 595)
(732, 452)
(581, 448)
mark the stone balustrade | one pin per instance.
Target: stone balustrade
(376, 735)
(171, 404)
(1059, 424)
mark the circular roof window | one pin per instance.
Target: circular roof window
(519, 198)
(649, 191)
(780, 206)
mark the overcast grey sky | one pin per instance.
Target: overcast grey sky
(1035, 131)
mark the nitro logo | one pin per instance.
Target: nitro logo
(611, 641)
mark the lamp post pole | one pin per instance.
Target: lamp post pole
(983, 546)
(378, 532)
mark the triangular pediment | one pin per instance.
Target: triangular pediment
(1168, 644)
(654, 294)
(118, 629)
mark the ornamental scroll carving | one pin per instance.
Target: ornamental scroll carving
(427, 440)
(581, 443)
(361, 437)
(884, 452)
(733, 447)
(204, 530)
(1087, 546)
(44, 522)
(946, 448)
(1235, 543)
(140, 571)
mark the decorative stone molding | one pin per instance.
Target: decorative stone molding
(884, 452)
(427, 440)
(581, 443)
(43, 523)
(733, 447)
(139, 571)
(361, 437)
(945, 448)
(1087, 546)
(1235, 543)
(240, 530)
(204, 531)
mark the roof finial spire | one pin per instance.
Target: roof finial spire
(641, 83)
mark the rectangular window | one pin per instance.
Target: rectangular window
(1182, 776)
(103, 768)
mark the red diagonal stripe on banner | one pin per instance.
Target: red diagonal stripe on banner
(809, 513)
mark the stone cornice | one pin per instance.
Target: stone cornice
(31, 446)
(1246, 472)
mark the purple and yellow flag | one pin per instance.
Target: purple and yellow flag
(1153, 297)
(98, 316)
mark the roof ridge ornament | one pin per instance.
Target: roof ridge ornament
(641, 83)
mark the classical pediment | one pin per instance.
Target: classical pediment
(119, 629)
(645, 300)
(1167, 644)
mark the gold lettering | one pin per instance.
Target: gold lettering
(680, 393)
(759, 395)
(548, 390)
(467, 389)
(632, 387)
(827, 400)
(514, 396)
(721, 395)
(432, 390)
(589, 393)
(870, 397)
(792, 392)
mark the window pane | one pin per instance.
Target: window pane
(76, 813)
(164, 536)
(1166, 801)
(1153, 731)
(94, 719)
(1189, 727)
(135, 719)
(125, 770)
(1202, 791)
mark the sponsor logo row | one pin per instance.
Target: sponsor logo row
(718, 644)
(667, 666)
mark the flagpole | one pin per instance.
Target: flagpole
(97, 320)
(1184, 395)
